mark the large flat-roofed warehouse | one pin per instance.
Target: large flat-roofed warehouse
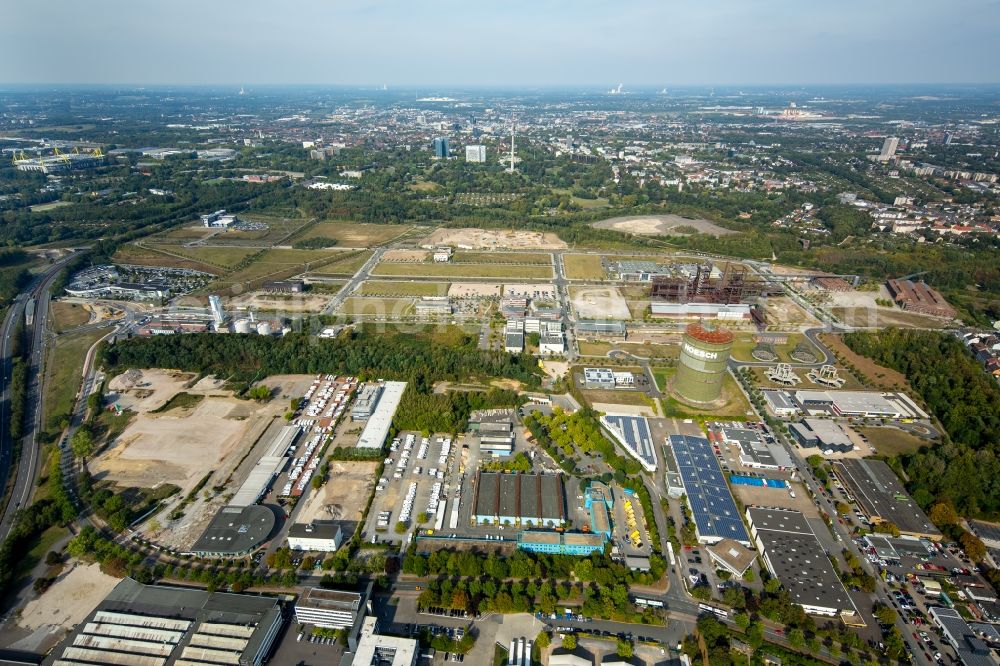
(632, 432)
(971, 649)
(520, 499)
(794, 555)
(596, 328)
(715, 514)
(882, 497)
(758, 449)
(852, 403)
(235, 531)
(496, 430)
(380, 418)
(158, 625)
(919, 297)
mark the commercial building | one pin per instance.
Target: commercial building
(560, 543)
(476, 153)
(919, 297)
(283, 287)
(882, 498)
(433, 306)
(365, 402)
(267, 468)
(757, 447)
(716, 516)
(219, 219)
(376, 649)
(441, 148)
(235, 531)
(703, 362)
(780, 403)
(331, 609)
(380, 418)
(513, 342)
(519, 499)
(732, 556)
(598, 378)
(607, 329)
(156, 625)
(599, 502)
(722, 311)
(827, 436)
(971, 649)
(549, 345)
(853, 403)
(496, 430)
(320, 536)
(632, 433)
(794, 555)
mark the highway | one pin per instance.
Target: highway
(26, 468)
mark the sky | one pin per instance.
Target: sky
(499, 42)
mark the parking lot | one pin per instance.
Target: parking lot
(413, 484)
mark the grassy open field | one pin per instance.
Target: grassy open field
(351, 234)
(402, 288)
(378, 307)
(533, 258)
(143, 256)
(891, 441)
(41, 208)
(64, 367)
(583, 267)
(67, 315)
(461, 270)
(594, 348)
(184, 233)
(225, 257)
(635, 398)
(281, 264)
(743, 345)
(347, 266)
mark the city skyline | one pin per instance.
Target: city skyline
(527, 44)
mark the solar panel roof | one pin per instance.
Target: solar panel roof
(713, 507)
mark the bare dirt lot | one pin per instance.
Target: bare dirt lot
(658, 225)
(280, 302)
(69, 600)
(405, 255)
(785, 314)
(599, 303)
(474, 289)
(476, 239)
(342, 497)
(180, 445)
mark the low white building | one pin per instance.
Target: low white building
(323, 537)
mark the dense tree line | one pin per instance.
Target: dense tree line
(446, 412)
(964, 469)
(244, 358)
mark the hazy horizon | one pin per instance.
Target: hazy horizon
(537, 44)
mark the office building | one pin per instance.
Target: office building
(598, 378)
(475, 154)
(320, 536)
(827, 436)
(365, 403)
(889, 149)
(374, 649)
(235, 531)
(150, 625)
(330, 609)
(441, 148)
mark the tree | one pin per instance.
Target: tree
(569, 641)
(422, 517)
(843, 508)
(542, 640)
(260, 393)
(943, 513)
(796, 638)
(625, 649)
(82, 443)
(973, 546)
(401, 527)
(885, 615)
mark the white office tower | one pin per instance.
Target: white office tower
(218, 314)
(889, 148)
(512, 658)
(526, 657)
(475, 153)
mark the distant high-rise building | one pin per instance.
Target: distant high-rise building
(475, 153)
(441, 147)
(889, 148)
(947, 139)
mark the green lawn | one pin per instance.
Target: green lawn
(533, 258)
(583, 267)
(391, 308)
(892, 441)
(402, 288)
(226, 257)
(39, 549)
(64, 372)
(351, 234)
